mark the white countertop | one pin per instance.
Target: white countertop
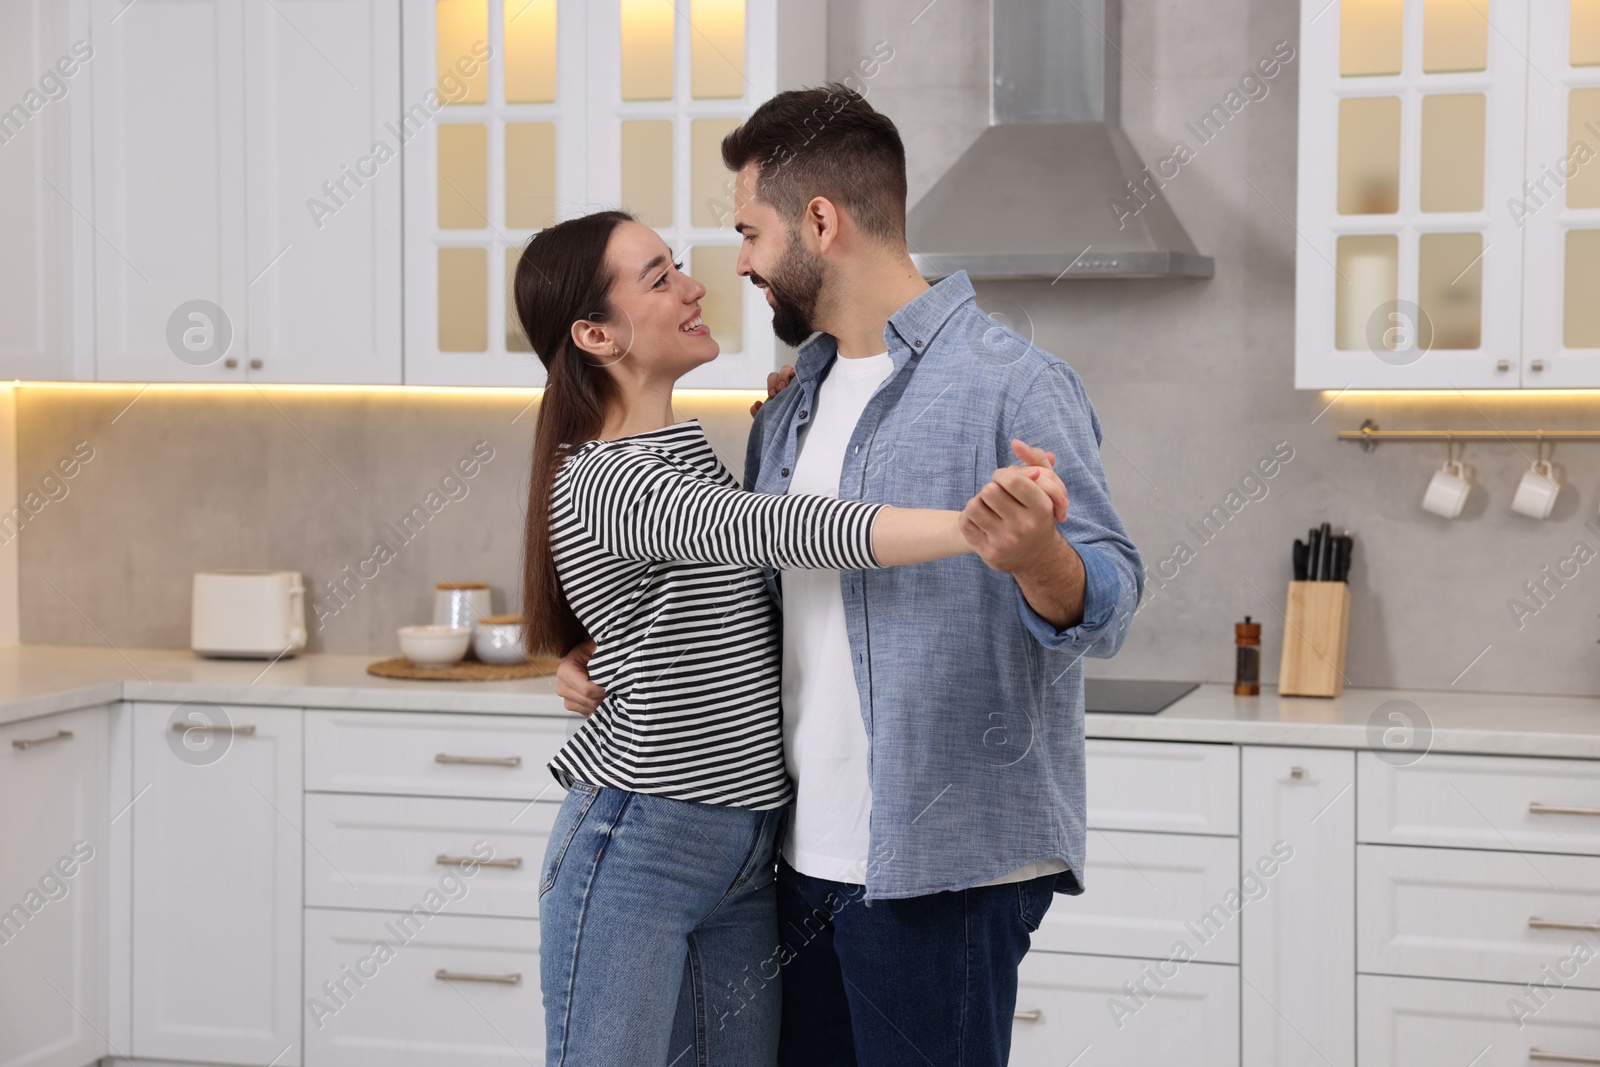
(39, 680)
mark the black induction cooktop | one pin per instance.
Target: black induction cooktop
(1125, 696)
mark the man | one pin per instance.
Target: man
(934, 713)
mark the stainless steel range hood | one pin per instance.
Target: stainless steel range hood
(1052, 189)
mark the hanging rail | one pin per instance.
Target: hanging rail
(1369, 435)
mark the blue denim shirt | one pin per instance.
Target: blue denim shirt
(972, 702)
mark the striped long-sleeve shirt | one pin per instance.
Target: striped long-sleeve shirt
(657, 550)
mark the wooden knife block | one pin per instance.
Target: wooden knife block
(1315, 631)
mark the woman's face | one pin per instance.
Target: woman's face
(656, 307)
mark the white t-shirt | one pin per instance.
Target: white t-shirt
(824, 739)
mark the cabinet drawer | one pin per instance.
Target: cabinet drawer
(1068, 1004)
(1492, 802)
(1148, 892)
(392, 852)
(491, 756)
(1151, 785)
(1411, 1021)
(1449, 913)
(367, 1007)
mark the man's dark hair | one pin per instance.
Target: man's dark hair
(825, 142)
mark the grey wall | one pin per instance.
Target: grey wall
(1193, 382)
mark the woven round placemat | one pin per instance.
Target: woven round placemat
(465, 671)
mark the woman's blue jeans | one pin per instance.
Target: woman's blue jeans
(658, 933)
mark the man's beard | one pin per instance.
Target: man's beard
(795, 286)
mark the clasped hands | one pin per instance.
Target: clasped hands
(1010, 522)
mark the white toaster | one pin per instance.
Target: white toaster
(248, 614)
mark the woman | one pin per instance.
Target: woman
(656, 906)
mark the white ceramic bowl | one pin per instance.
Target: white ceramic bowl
(498, 639)
(435, 646)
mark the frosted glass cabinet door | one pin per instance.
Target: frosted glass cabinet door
(1408, 263)
(1561, 216)
(665, 83)
(493, 128)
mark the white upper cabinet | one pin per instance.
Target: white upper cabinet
(525, 112)
(246, 231)
(46, 58)
(1409, 264)
(664, 89)
(169, 199)
(322, 182)
(494, 151)
(214, 193)
(1559, 209)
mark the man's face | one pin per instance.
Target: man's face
(775, 258)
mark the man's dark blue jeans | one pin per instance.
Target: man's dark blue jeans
(922, 980)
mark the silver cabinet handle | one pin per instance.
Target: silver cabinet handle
(1560, 1057)
(1030, 1016)
(29, 742)
(462, 976)
(511, 862)
(208, 728)
(1560, 809)
(481, 761)
(1561, 924)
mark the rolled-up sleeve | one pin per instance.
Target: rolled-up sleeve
(1055, 414)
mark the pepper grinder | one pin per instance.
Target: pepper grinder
(1247, 662)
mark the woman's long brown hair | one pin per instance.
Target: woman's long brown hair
(561, 278)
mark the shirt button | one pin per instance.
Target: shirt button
(856, 449)
(917, 343)
(785, 472)
(803, 414)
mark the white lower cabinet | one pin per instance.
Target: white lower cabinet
(1496, 803)
(1480, 916)
(1112, 1012)
(1297, 843)
(391, 990)
(1147, 894)
(280, 888)
(389, 853)
(53, 861)
(1160, 786)
(216, 883)
(1412, 1022)
(434, 754)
